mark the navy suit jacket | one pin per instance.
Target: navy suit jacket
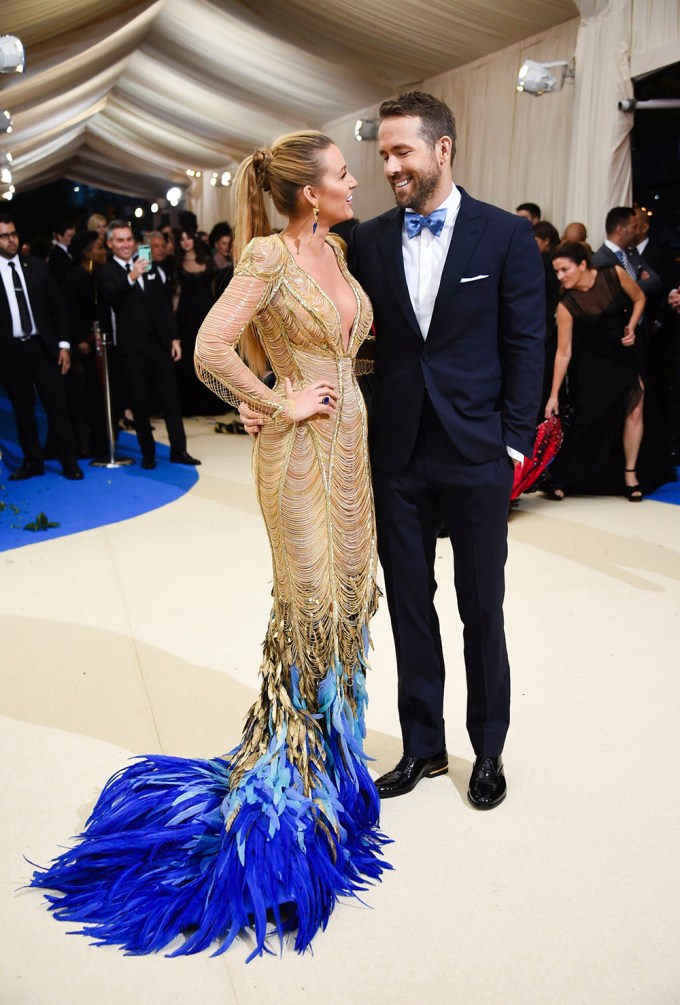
(482, 361)
(47, 304)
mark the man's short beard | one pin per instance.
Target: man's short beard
(424, 187)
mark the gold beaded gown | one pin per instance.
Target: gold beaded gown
(274, 831)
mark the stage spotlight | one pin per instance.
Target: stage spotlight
(536, 78)
(366, 129)
(12, 58)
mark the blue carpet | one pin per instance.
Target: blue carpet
(669, 493)
(104, 496)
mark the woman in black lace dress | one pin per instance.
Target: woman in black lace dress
(194, 273)
(609, 438)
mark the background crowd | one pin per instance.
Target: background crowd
(144, 293)
(612, 362)
(621, 433)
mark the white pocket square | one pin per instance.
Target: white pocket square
(472, 279)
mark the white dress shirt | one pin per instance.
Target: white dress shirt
(424, 258)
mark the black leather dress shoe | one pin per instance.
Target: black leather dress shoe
(487, 783)
(408, 773)
(148, 463)
(73, 472)
(26, 471)
(182, 457)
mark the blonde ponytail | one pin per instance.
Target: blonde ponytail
(251, 218)
(282, 171)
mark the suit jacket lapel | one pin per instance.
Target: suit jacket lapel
(470, 224)
(389, 240)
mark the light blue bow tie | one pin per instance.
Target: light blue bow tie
(434, 222)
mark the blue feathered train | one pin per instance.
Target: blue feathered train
(264, 839)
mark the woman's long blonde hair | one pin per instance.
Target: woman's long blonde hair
(282, 170)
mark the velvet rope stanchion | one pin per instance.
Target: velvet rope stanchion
(103, 343)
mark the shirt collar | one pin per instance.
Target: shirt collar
(123, 265)
(612, 247)
(4, 262)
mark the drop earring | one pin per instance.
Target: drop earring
(315, 211)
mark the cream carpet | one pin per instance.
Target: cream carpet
(145, 636)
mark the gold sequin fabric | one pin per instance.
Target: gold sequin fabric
(313, 485)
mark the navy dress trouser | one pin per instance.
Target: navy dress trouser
(438, 486)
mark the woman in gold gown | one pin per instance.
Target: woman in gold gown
(288, 821)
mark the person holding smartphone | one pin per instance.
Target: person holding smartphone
(146, 339)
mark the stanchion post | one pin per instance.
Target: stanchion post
(102, 342)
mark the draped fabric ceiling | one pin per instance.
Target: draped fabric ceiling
(128, 95)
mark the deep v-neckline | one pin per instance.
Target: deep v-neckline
(353, 326)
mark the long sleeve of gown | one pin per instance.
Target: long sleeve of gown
(216, 358)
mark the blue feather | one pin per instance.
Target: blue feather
(156, 860)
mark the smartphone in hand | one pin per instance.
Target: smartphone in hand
(144, 254)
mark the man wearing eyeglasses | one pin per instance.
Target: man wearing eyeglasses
(34, 354)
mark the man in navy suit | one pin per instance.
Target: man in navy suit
(457, 288)
(34, 354)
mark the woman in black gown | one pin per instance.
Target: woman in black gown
(597, 317)
(194, 273)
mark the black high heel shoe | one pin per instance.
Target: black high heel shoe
(633, 493)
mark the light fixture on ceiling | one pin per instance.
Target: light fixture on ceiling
(139, 212)
(221, 179)
(154, 207)
(366, 129)
(536, 78)
(5, 122)
(12, 59)
(173, 195)
(7, 192)
(5, 169)
(190, 173)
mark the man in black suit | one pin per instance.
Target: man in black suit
(34, 353)
(621, 228)
(458, 292)
(147, 342)
(60, 259)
